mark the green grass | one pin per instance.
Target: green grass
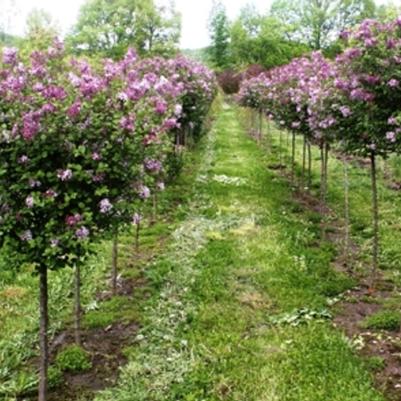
(236, 302)
(243, 256)
(73, 359)
(383, 320)
(19, 314)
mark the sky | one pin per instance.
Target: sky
(195, 15)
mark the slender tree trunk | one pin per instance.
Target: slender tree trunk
(43, 336)
(375, 215)
(114, 263)
(260, 126)
(138, 227)
(323, 189)
(281, 148)
(154, 209)
(326, 169)
(293, 158)
(346, 213)
(77, 306)
(309, 166)
(303, 164)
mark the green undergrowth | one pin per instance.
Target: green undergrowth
(240, 307)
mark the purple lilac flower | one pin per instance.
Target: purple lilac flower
(123, 97)
(392, 121)
(128, 123)
(74, 110)
(82, 232)
(345, 111)
(10, 55)
(153, 165)
(105, 206)
(65, 175)
(170, 123)
(391, 136)
(393, 83)
(161, 107)
(24, 159)
(31, 126)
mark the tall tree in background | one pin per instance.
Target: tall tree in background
(388, 12)
(109, 27)
(318, 22)
(219, 31)
(261, 39)
(40, 30)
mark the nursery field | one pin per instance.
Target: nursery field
(220, 226)
(232, 295)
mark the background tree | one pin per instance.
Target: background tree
(219, 30)
(259, 39)
(318, 23)
(40, 30)
(109, 28)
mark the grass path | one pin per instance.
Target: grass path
(241, 311)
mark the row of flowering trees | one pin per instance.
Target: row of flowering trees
(353, 103)
(81, 146)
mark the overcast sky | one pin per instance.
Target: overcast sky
(195, 15)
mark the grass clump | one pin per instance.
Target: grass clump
(73, 359)
(375, 363)
(383, 320)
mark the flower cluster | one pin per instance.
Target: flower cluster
(354, 100)
(81, 144)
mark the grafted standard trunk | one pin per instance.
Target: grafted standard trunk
(43, 330)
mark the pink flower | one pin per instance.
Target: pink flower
(392, 121)
(160, 186)
(393, 83)
(96, 156)
(73, 220)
